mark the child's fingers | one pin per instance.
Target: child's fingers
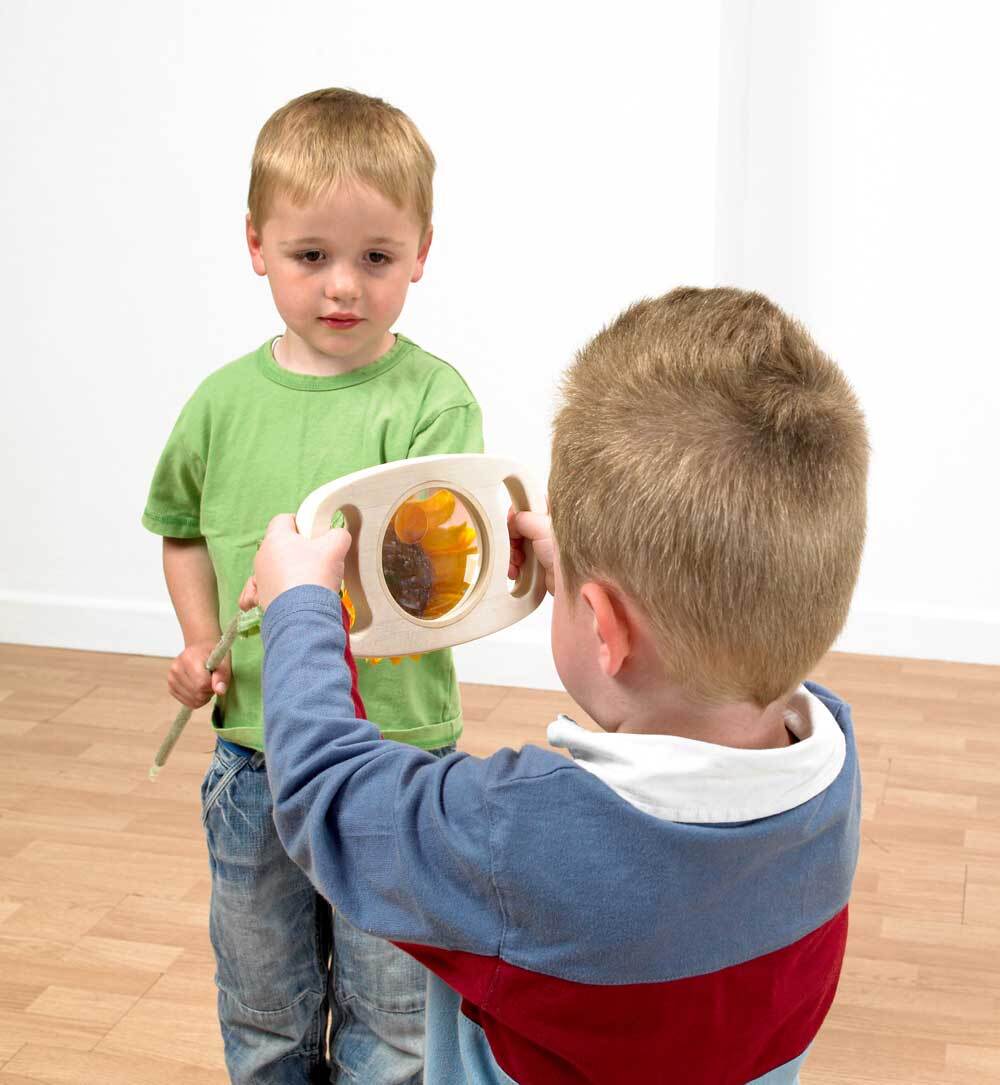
(516, 545)
(178, 691)
(282, 524)
(248, 596)
(198, 681)
(537, 529)
(516, 558)
(531, 525)
(190, 689)
(189, 700)
(222, 676)
(513, 530)
(187, 679)
(286, 559)
(513, 569)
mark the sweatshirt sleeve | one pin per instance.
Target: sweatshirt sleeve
(397, 839)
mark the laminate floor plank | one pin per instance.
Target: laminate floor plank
(105, 963)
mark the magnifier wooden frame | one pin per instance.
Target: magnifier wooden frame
(487, 486)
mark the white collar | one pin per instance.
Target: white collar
(681, 779)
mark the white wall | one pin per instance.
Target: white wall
(860, 175)
(836, 156)
(577, 171)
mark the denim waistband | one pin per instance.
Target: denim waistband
(234, 747)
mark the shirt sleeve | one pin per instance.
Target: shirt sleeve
(396, 838)
(455, 429)
(173, 507)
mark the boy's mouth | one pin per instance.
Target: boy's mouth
(341, 321)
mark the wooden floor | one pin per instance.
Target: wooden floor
(105, 966)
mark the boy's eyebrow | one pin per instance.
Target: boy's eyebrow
(298, 241)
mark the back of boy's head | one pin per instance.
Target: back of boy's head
(328, 137)
(711, 461)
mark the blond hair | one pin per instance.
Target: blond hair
(326, 137)
(711, 461)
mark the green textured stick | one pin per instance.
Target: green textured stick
(180, 720)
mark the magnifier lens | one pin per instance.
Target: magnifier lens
(431, 553)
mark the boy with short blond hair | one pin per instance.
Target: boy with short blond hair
(748, 438)
(319, 141)
(340, 224)
(671, 904)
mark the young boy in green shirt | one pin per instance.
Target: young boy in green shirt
(340, 224)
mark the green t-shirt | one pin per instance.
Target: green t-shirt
(253, 441)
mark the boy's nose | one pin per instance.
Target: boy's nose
(343, 283)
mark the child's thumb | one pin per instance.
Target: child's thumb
(248, 596)
(336, 544)
(222, 676)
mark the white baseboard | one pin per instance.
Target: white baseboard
(135, 627)
(506, 659)
(514, 657)
(518, 656)
(923, 633)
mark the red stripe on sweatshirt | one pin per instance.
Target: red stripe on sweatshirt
(359, 705)
(723, 1028)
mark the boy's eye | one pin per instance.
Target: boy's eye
(311, 256)
(379, 259)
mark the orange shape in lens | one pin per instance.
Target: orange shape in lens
(410, 522)
(423, 523)
(458, 539)
(415, 518)
(444, 601)
(449, 571)
(439, 507)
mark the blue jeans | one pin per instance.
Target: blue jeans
(287, 962)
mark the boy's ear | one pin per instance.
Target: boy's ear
(611, 624)
(253, 244)
(422, 252)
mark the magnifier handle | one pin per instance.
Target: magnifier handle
(526, 496)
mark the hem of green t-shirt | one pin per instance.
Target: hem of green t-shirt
(170, 526)
(431, 736)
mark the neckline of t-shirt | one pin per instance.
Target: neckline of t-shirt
(307, 383)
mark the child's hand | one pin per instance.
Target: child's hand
(286, 560)
(190, 683)
(537, 529)
(248, 596)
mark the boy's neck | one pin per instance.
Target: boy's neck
(291, 353)
(669, 711)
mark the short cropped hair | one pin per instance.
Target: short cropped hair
(711, 461)
(326, 137)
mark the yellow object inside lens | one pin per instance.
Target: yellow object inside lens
(430, 554)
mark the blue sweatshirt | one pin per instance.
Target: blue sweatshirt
(658, 910)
